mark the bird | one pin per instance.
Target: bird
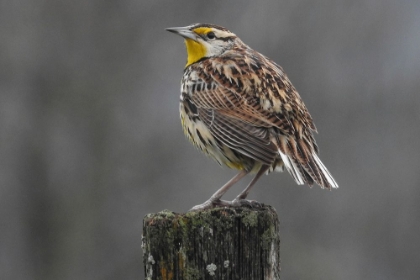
(239, 107)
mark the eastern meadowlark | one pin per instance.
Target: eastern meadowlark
(240, 108)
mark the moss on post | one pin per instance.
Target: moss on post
(220, 243)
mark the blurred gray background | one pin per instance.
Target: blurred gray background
(90, 138)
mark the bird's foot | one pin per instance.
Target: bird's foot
(239, 202)
(206, 205)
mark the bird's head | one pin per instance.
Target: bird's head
(205, 40)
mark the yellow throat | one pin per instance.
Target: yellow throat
(195, 51)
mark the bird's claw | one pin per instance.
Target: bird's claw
(238, 202)
(206, 205)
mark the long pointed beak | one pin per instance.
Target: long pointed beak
(184, 32)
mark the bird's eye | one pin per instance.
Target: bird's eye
(211, 35)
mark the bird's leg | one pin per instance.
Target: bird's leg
(215, 198)
(241, 198)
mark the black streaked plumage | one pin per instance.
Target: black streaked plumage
(245, 105)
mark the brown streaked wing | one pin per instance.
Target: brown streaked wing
(234, 105)
(247, 139)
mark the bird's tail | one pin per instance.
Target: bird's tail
(303, 163)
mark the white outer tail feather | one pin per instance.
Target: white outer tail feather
(294, 171)
(325, 171)
(291, 167)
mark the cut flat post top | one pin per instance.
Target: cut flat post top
(219, 243)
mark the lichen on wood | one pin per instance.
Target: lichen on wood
(220, 243)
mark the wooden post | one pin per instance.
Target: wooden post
(220, 243)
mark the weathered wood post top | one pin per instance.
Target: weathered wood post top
(220, 243)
